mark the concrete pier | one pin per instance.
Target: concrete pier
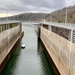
(9, 37)
(59, 41)
(59, 50)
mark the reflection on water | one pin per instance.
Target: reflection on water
(29, 61)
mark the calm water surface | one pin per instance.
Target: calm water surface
(29, 61)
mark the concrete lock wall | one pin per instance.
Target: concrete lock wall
(61, 51)
(7, 39)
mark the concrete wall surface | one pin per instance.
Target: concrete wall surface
(7, 39)
(61, 51)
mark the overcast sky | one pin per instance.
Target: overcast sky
(10, 7)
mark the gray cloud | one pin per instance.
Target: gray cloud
(31, 5)
(44, 3)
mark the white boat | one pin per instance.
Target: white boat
(23, 46)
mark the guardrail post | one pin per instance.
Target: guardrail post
(71, 41)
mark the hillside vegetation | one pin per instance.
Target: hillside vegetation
(57, 16)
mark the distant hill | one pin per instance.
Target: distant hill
(57, 16)
(31, 16)
(26, 17)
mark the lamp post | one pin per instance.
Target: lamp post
(6, 16)
(66, 16)
(51, 18)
